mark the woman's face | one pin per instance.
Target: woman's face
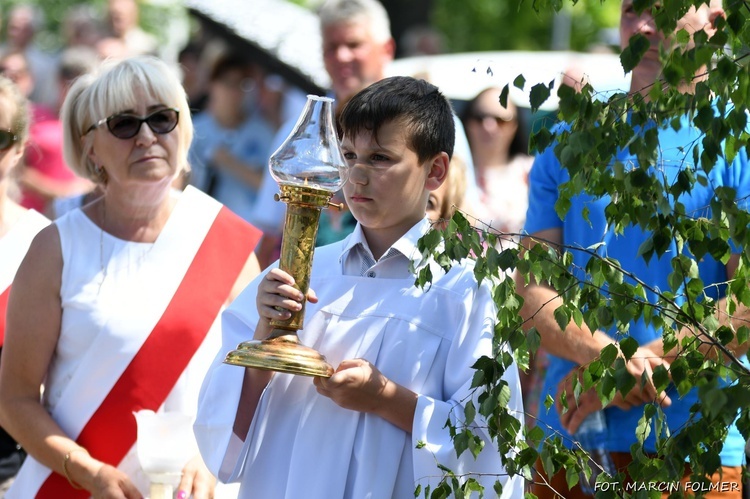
(147, 160)
(12, 155)
(491, 123)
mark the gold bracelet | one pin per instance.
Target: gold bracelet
(65, 467)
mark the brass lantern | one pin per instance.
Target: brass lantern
(309, 168)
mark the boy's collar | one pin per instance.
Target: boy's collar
(406, 244)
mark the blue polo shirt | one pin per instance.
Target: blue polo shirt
(545, 177)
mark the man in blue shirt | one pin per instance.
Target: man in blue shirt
(577, 346)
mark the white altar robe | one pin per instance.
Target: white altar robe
(301, 444)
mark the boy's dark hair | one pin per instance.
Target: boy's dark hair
(227, 63)
(424, 111)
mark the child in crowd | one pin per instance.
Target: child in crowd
(449, 197)
(376, 427)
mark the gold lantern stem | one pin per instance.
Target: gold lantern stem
(282, 351)
(298, 243)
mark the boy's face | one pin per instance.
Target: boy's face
(228, 91)
(388, 186)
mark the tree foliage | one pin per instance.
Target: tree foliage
(520, 25)
(603, 295)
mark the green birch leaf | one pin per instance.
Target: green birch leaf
(632, 54)
(504, 95)
(538, 96)
(628, 347)
(562, 317)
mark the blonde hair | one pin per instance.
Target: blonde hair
(19, 119)
(455, 190)
(119, 86)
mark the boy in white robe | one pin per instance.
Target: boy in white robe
(377, 427)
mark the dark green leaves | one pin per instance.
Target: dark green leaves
(504, 96)
(539, 95)
(639, 194)
(632, 54)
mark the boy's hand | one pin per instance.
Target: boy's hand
(277, 296)
(222, 156)
(356, 385)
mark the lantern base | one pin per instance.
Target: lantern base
(281, 352)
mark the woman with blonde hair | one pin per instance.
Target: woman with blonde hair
(114, 307)
(499, 144)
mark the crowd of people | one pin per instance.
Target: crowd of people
(116, 158)
(136, 204)
(44, 78)
(242, 113)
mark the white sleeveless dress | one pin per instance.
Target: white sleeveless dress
(112, 294)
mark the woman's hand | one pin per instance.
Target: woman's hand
(196, 481)
(111, 483)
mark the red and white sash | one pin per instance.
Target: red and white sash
(180, 290)
(13, 247)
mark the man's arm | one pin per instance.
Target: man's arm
(741, 317)
(578, 344)
(708, 346)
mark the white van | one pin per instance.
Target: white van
(462, 76)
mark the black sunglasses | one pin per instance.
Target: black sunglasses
(7, 139)
(500, 121)
(127, 126)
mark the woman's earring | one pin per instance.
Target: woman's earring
(101, 173)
